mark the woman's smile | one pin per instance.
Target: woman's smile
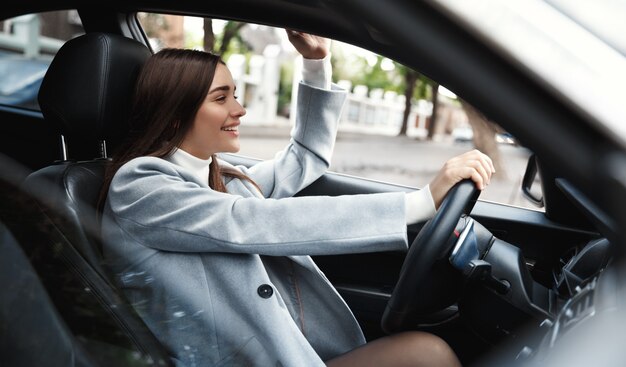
(232, 129)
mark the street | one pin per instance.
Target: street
(400, 160)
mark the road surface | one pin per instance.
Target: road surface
(401, 160)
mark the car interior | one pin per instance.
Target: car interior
(499, 286)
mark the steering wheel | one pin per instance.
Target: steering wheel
(419, 291)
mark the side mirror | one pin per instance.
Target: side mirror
(531, 183)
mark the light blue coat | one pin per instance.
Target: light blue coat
(225, 279)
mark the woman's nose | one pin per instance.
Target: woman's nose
(239, 110)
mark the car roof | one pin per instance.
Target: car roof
(574, 50)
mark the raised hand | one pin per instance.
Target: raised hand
(308, 45)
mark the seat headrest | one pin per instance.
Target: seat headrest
(88, 87)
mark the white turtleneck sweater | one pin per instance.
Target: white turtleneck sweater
(419, 206)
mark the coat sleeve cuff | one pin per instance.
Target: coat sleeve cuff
(317, 73)
(420, 205)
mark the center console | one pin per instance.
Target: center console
(504, 302)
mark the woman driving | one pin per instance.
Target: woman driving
(216, 258)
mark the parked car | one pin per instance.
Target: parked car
(462, 134)
(515, 286)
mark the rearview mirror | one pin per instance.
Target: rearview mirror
(531, 183)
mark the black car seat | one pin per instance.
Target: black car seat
(86, 94)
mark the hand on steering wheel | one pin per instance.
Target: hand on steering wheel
(418, 292)
(473, 165)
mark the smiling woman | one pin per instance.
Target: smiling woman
(215, 127)
(161, 124)
(166, 215)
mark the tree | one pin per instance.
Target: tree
(209, 35)
(231, 30)
(433, 116)
(229, 33)
(410, 80)
(484, 136)
(413, 86)
(373, 76)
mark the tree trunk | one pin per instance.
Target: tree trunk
(410, 78)
(230, 31)
(209, 36)
(433, 115)
(484, 137)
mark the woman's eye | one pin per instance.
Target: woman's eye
(236, 97)
(220, 98)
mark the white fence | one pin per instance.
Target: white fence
(381, 112)
(375, 111)
(23, 34)
(258, 87)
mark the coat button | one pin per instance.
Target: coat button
(265, 291)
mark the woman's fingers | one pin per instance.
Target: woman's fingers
(490, 163)
(476, 161)
(473, 165)
(310, 46)
(479, 174)
(477, 177)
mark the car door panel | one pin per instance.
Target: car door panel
(25, 137)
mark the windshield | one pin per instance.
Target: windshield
(577, 48)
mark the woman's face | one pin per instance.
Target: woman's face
(215, 128)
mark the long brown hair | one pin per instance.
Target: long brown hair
(170, 89)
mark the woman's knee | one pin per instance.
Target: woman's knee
(427, 348)
(409, 349)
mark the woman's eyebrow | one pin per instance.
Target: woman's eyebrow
(223, 87)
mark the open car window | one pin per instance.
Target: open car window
(381, 136)
(27, 45)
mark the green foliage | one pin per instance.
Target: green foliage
(236, 46)
(423, 85)
(344, 66)
(229, 41)
(375, 77)
(194, 41)
(423, 89)
(285, 88)
(358, 70)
